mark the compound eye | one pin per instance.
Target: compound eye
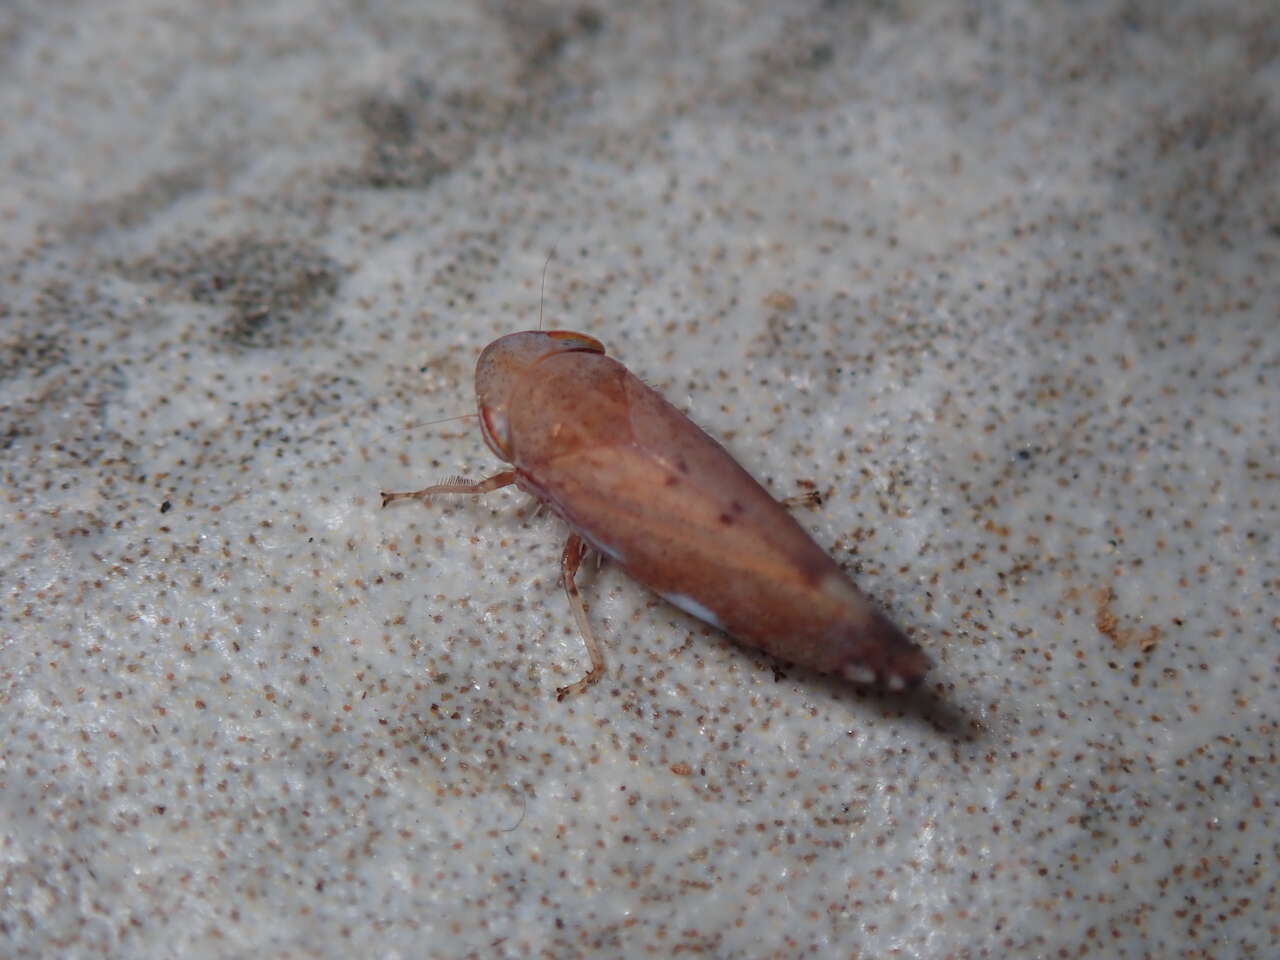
(493, 424)
(569, 340)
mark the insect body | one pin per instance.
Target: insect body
(637, 481)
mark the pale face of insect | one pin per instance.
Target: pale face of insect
(503, 366)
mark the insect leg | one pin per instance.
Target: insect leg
(574, 549)
(456, 485)
(811, 499)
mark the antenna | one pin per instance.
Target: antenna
(430, 423)
(542, 293)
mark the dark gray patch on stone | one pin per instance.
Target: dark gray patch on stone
(422, 130)
(134, 207)
(273, 290)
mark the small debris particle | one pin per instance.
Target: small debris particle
(779, 300)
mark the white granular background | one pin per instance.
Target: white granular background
(1000, 279)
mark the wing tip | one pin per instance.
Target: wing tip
(885, 659)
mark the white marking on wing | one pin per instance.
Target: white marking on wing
(862, 676)
(693, 608)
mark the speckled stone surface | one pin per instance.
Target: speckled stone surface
(1001, 279)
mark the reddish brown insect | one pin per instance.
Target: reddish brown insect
(636, 480)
